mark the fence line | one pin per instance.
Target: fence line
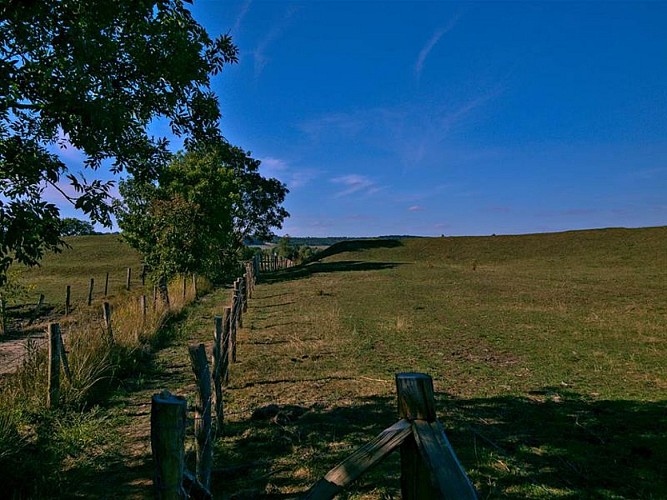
(429, 466)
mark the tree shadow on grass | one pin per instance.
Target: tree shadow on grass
(306, 270)
(550, 444)
(355, 246)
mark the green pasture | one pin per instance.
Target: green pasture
(86, 257)
(548, 354)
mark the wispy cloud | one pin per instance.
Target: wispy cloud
(416, 208)
(428, 47)
(355, 183)
(293, 177)
(278, 29)
(239, 18)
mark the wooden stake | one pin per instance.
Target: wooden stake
(106, 311)
(68, 294)
(144, 307)
(415, 401)
(217, 370)
(168, 417)
(63, 357)
(194, 285)
(106, 285)
(128, 279)
(203, 440)
(226, 344)
(53, 394)
(90, 291)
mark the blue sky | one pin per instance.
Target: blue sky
(456, 118)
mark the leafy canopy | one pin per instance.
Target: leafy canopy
(93, 74)
(196, 218)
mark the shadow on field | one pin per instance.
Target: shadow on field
(355, 246)
(552, 443)
(305, 270)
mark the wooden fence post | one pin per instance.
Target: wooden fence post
(68, 295)
(3, 317)
(38, 308)
(415, 401)
(245, 288)
(128, 279)
(90, 291)
(168, 417)
(234, 324)
(185, 286)
(203, 435)
(63, 357)
(106, 285)
(226, 344)
(106, 312)
(217, 370)
(143, 275)
(194, 285)
(144, 307)
(54, 366)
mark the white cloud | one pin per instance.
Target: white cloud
(278, 29)
(282, 170)
(241, 15)
(416, 208)
(354, 183)
(428, 47)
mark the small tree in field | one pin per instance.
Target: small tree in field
(205, 204)
(76, 227)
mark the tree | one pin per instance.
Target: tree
(198, 214)
(75, 227)
(93, 74)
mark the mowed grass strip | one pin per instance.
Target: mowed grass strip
(547, 351)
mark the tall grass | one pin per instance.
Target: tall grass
(96, 361)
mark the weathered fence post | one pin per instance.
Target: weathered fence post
(53, 394)
(106, 284)
(128, 279)
(63, 357)
(245, 288)
(226, 344)
(194, 285)
(234, 320)
(90, 291)
(217, 370)
(38, 308)
(415, 401)
(185, 286)
(68, 296)
(106, 312)
(143, 274)
(429, 466)
(3, 317)
(144, 307)
(168, 417)
(203, 435)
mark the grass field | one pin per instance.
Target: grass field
(87, 257)
(548, 353)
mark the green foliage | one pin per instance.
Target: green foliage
(76, 227)
(93, 74)
(196, 218)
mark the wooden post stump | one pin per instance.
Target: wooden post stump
(168, 417)
(106, 285)
(106, 311)
(128, 279)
